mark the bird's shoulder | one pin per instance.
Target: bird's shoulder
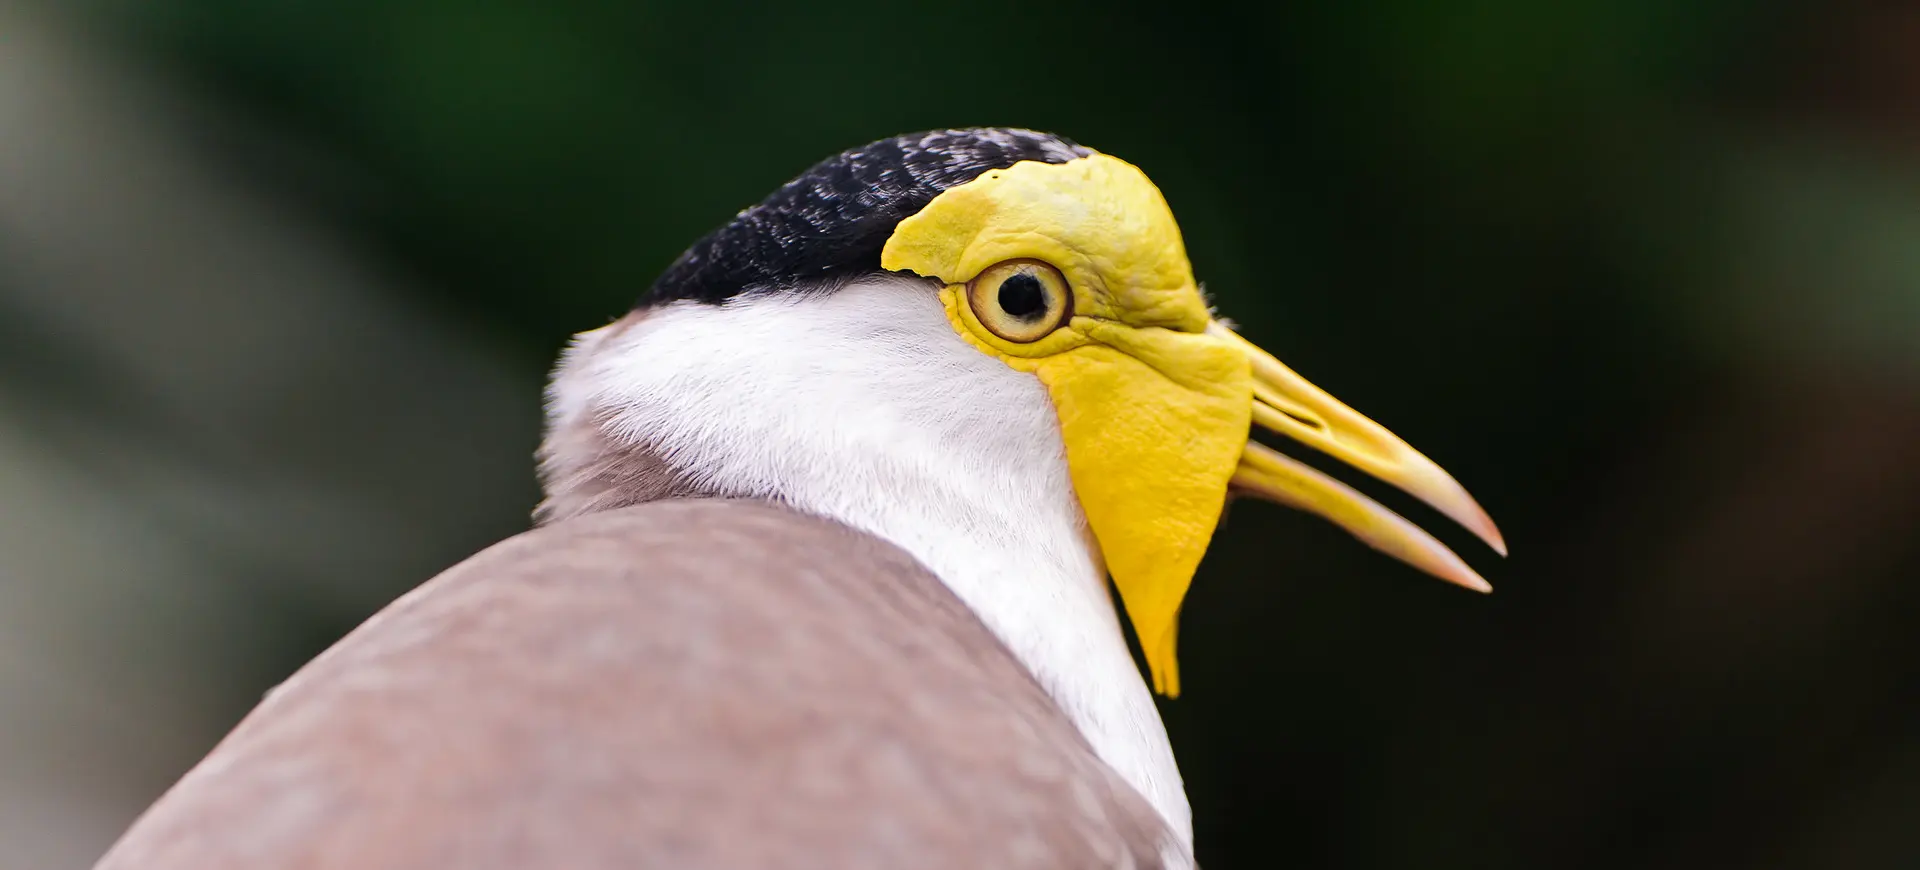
(701, 683)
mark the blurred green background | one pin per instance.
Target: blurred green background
(280, 280)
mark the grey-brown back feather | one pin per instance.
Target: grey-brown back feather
(586, 470)
(682, 684)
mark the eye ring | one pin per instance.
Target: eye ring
(1021, 301)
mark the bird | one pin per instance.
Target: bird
(825, 570)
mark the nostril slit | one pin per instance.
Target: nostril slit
(1309, 422)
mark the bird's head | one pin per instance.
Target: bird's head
(1067, 264)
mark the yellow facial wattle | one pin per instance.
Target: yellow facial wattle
(1155, 398)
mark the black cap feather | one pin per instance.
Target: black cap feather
(833, 220)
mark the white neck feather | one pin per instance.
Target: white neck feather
(863, 405)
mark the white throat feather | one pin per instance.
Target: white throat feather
(862, 404)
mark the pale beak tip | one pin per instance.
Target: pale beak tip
(1475, 518)
(1461, 575)
(1493, 538)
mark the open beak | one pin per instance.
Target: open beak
(1286, 403)
(1156, 422)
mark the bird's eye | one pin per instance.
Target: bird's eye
(1021, 300)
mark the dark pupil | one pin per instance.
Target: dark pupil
(1022, 296)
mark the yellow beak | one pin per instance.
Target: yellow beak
(1288, 404)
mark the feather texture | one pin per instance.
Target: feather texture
(673, 685)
